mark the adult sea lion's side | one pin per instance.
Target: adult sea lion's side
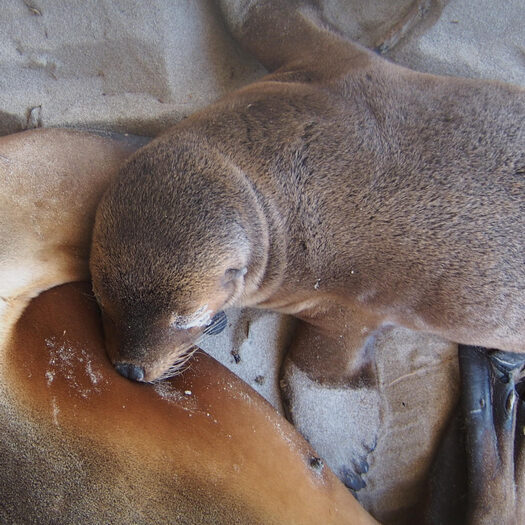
(52, 181)
(80, 444)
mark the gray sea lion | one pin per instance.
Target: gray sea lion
(341, 188)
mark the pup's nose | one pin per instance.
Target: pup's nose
(130, 371)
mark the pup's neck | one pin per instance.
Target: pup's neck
(267, 268)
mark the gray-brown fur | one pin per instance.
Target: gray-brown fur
(356, 192)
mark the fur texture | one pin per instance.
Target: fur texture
(357, 194)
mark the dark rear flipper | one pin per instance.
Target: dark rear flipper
(478, 476)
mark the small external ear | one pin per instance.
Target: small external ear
(233, 274)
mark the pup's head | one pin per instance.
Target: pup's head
(172, 247)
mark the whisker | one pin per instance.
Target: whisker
(178, 365)
(208, 329)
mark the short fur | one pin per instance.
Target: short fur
(47, 209)
(81, 445)
(355, 192)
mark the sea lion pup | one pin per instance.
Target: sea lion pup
(345, 190)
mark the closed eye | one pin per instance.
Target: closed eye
(199, 319)
(217, 325)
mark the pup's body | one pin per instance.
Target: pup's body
(356, 193)
(347, 191)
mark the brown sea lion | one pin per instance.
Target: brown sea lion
(343, 189)
(81, 444)
(52, 181)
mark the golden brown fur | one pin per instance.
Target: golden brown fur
(52, 181)
(78, 443)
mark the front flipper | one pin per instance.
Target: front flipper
(329, 391)
(493, 390)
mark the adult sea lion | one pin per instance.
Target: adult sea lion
(76, 444)
(81, 444)
(52, 181)
(343, 189)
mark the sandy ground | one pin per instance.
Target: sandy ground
(138, 67)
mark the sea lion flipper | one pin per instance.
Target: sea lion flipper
(280, 34)
(477, 408)
(446, 496)
(519, 454)
(493, 414)
(409, 20)
(508, 371)
(335, 376)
